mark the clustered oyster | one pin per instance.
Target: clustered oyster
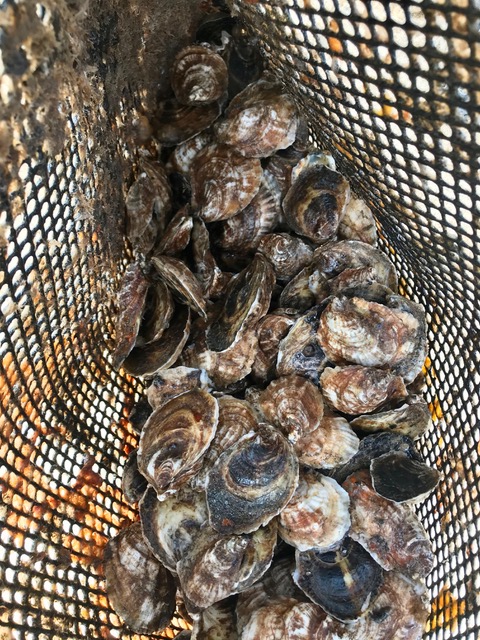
(276, 464)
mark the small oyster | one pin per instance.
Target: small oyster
(162, 204)
(216, 622)
(177, 234)
(223, 182)
(271, 329)
(182, 282)
(333, 443)
(299, 352)
(138, 586)
(397, 477)
(134, 483)
(297, 293)
(177, 123)
(355, 389)
(175, 437)
(131, 300)
(251, 481)
(259, 120)
(317, 514)
(157, 313)
(170, 526)
(284, 618)
(294, 405)
(198, 76)
(358, 223)
(389, 531)
(342, 582)
(287, 254)
(173, 382)
(139, 206)
(412, 419)
(315, 203)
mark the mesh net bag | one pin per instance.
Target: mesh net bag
(391, 88)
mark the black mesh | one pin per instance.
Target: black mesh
(391, 88)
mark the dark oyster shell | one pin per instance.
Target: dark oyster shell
(411, 419)
(138, 586)
(173, 382)
(134, 483)
(182, 282)
(212, 280)
(251, 481)
(297, 292)
(176, 122)
(177, 234)
(397, 477)
(157, 313)
(198, 76)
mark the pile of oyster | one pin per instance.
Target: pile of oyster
(276, 465)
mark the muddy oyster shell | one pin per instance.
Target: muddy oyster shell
(175, 437)
(170, 526)
(177, 123)
(412, 419)
(223, 182)
(134, 483)
(182, 282)
(355, 389)
(138, 586)
(271, 329)
(251, 481)
(342, 582)
(333, 443)
(259, 120)
(389, 531)
(284, 618)
(198, 76)
(397, 477)
(315, 203)
(216, 622)
(358, 223)
(218, 566)
(173, 382)
(294, 405)
(317, 515)
(287, 254)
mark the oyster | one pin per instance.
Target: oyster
(182, 282)
(317, 514)
(151, 358)
(313, 159)
(397, 477)
(287, 254)
(389, 531)
(177, 234)
(358, 223)
(170, 526)
(216, 622)
(412, 419)
(212, 280)
(158, 311)
(251, 481)
(333, 443)
(184, 154)
(138, 586)
(355, 389)
(218, 566)
(342, 582)
(140, 412)
(175, 437)
(294, 405)
(139, 206)
(315, 203)
(271, 329)
(198, 76)
(259, 120)
(223, 182)
(134, 483)
(284, 618)
(177, 123)
(173, 382)
(297, 293)
(131, 300)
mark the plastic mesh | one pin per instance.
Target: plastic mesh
(393, 89)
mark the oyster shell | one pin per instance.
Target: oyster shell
(177, 234)
(216, 622)
(389, 531)
(182, 282)
(358, 223)
(212, 280)
(297, 293)
(294, 405)
(218, 566)
(139, 206)
(259, 120)
(177, 123)
(223, 182)
(175, 437)
(284, 618)
(198, 76)
(157, 313)
(138, 586)
(271, 329)
(333, 443)
(131, 300)
(148, 360)
(397, 477)
(173, 382)
(315, 203)
(287, 254)
(342, 582)
(412, 419)
(134, 483)
(170, 526)
(355, 389)
(251, 481)
(140, 412)
(184, 154)
(317, 514)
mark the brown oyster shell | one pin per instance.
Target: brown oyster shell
(139, 206)
(413, 419)
(297, 293)
(175, 437)
(223, 182)
(173, 382)
(300, 352)
(259, 120)
(247, 298)
(138, 586)
(358, 223)
(157, 313)
(354, 389)
(317, 515)
(198, 76)
(218, 566)
(397, 477)
(131, 300)
(171, 525)
(151, 358)
(184, 154)
(284, 618)
(315, 203)
(216, 622)
(251, 481)
(333, 443)
(134, 483)
(294, 405)
(287, 254)
(177, 234)
(271, 329)
(212, 280)
(182, 282)
(390, 532)
(177, 123)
